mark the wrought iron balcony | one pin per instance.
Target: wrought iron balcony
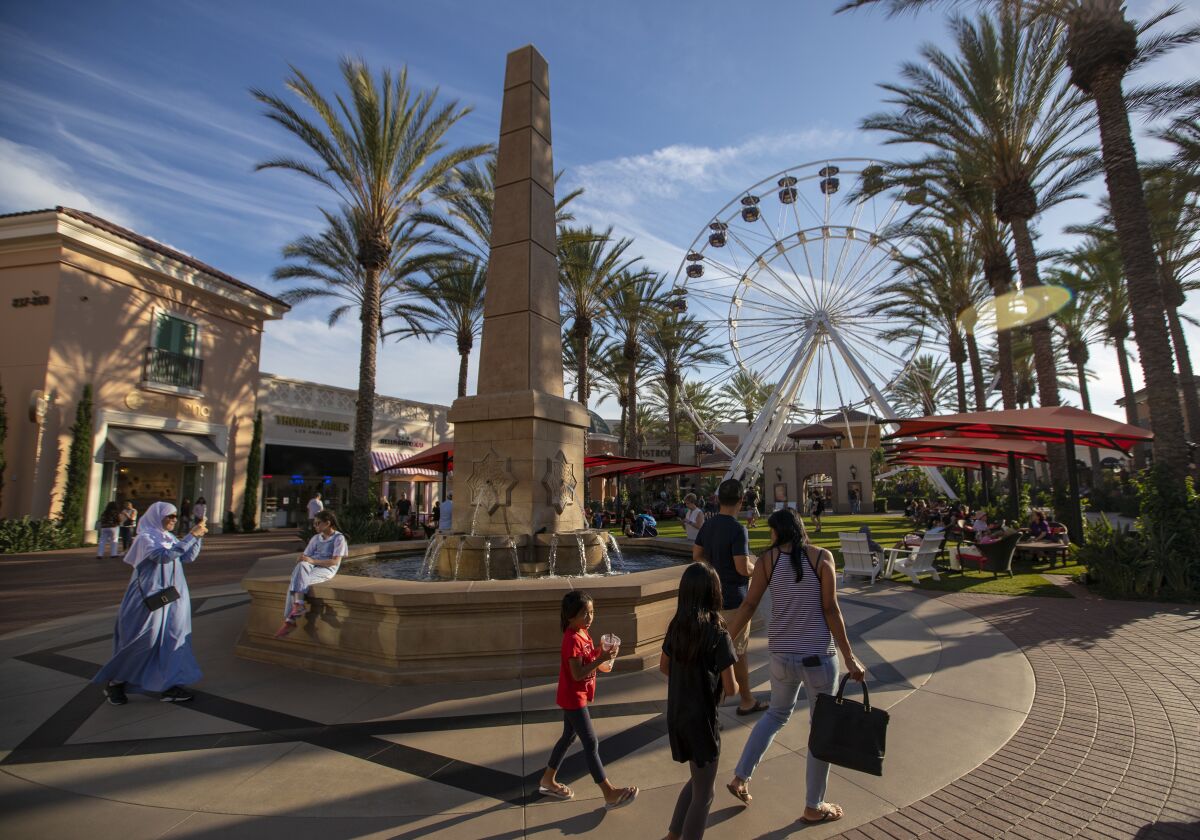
(162, 367)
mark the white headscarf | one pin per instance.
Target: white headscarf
(150, 533)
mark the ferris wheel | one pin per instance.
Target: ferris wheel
(793, 273)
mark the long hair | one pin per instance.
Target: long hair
(698, 608)
(328, 516)
(573, 603)
(789, 528)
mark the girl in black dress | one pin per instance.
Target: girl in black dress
(697, 658)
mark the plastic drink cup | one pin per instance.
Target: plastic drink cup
(608, 642)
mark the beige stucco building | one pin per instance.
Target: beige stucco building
(169, 345)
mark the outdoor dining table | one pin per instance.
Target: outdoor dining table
(1055, 549)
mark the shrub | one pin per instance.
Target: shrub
(253, 474)
(25, 534)
(229, 524)
(79, 468)
(362, 528)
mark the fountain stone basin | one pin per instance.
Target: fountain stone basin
(482, 557)
(398, 632)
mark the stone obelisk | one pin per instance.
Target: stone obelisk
(518, 443)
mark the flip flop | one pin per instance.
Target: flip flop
(826, 816)
(562, 792)
(760, 706)
(627, 795)
(741, 793)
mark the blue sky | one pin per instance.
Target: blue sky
(140, 112)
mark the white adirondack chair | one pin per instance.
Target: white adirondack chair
(857, 557)
(917, 561)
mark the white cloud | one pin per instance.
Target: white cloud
(667, 172)
(34, 180)
(304, 346)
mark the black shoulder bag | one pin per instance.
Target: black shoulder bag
(166, 595)
(848, 733)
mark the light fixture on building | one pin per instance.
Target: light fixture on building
(779, 473)
(853, 473)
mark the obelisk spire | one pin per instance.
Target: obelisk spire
(522, 342)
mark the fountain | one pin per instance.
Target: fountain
(518, 453)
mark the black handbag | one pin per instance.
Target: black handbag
(848, 733)
(166, 595)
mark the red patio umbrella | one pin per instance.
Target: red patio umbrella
(1030, 450)
(1061, 424)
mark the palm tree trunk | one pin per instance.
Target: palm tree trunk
(1187, 378)
(583, 334)
(673, 417)
(998, 272)
(463, 359)
(1131, 406)
(1086, 399)
(977, 372)
(364, 409)
(633, 448)
(1043, 348)
(1132, 221)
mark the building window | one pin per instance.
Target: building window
(171, 357)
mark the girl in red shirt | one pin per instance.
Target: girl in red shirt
(577, 688)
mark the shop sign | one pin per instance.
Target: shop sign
(35, 300)
(333, 429)
(401, 439)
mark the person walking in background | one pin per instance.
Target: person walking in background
(751, 508)
(315, 506)
(152, 641)
(578, 662)
(698, 658)
(693, 517)
(724, 544)
(199, 510)
(108, 529)
(129, 517)
(446, 514)
(805, 631)
(320, 562)
(403, 507)
(818, 510)
(185, 516)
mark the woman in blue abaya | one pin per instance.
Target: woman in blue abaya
(152, 648)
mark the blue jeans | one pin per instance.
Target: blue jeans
(787, 675)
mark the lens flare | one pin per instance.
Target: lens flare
(1015, 309)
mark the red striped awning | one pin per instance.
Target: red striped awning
(386, 460)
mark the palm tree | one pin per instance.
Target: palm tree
(1080, 325)
(598, 372)
(591, 268)
(1003, 103)
(678, 344)
(450, 303)
(380, 151)
(633, 305)
(609, 374)
(328, 261)
(934, 285)
(1102, 46)
(925, 388)
(745, 396)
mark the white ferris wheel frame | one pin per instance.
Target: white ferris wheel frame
(821, 328)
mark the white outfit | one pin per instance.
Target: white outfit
(109, 537)
(333, 547)
(446, 515)
(693, 520)
(199, 511)
(315, 506)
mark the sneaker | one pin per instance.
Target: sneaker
(116, 695)
(287, 627)
(175, 694)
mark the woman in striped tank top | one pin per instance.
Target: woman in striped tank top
(806, 629)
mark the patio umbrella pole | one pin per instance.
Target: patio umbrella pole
(1074, 514)
(1014, 488)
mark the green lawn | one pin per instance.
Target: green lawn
(887, 529)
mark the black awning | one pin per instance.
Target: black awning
(147, 445)
(308, 461)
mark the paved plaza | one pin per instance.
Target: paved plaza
(1037, 717)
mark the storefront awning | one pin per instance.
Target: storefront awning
(147, 445)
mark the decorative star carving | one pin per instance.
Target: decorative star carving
(560, 482)
(491, 482)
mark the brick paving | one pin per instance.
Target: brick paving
(46, 585)
(1111, 748)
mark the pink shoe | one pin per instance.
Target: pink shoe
(285, 628)
(298, 611)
